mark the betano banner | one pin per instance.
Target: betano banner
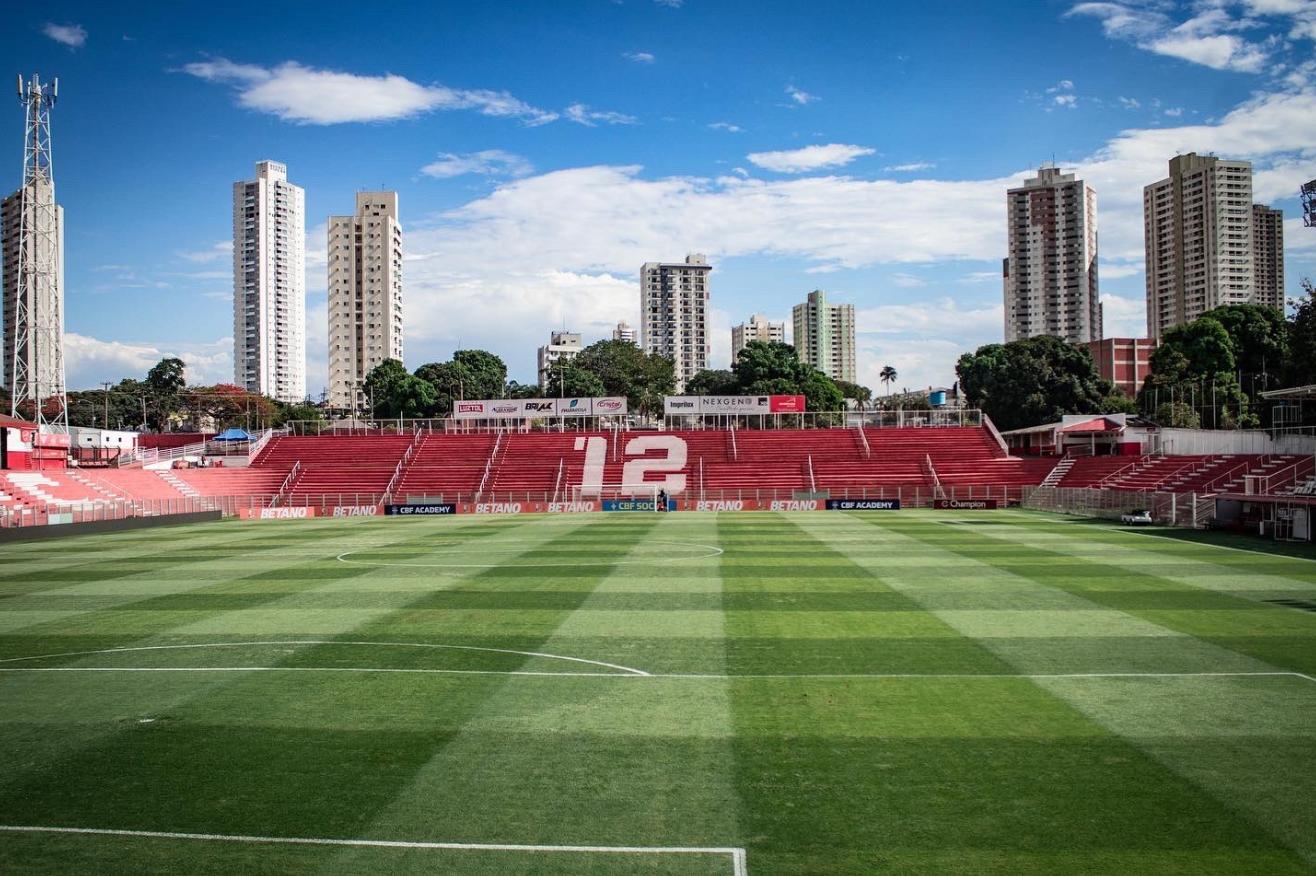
(537, 408)
(675, 405)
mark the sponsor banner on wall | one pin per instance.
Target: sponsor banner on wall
(582, 507)
(675, 405)
(966, 504)
(723, 505)
(353, 511)
(612, 404)
(795, 505)
(422, 510)
(298, 513)
(863, 504)
(635, 505)
(537, 408)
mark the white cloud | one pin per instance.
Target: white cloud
(309, 96)
(670, 4)
(221, 250)
(89, 361)
(639, 57)
(907, 281)
(1174, 112)
(72, 35)
(1069, 101)
(489, 162)
(800, 96)
(921, 340)
(583, 115)
(1210, 38)
(1123, 317)
(912, 167)
(725, 126)
(1130, 103)
(809, 157)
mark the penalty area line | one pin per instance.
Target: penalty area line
(737, 855)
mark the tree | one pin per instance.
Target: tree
(862, 395)
(1033, 381)
(713, 382)
(224, 405)
(624, 369)
(1196, 365)
(569, 381)
(1260, 339)
(164, 382)
(1302, 338)
(486, 374)
(520, 390)
(396, 393)
(301, 411)
(888, 376)
(761, 362)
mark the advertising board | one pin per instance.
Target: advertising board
(863, 504)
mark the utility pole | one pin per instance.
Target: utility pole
(106, 384)
(38, 330)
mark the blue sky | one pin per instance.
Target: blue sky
(544, 150)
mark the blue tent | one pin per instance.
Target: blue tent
(232, 435)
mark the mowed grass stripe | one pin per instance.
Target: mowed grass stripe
(900, 638)
(1270, 635)
(877, 775)
(585, 760)
(255, 755)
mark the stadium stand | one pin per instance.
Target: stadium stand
(334, 465)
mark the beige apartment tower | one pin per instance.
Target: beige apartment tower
(269, 284)
(756, 328)
(824, 336)
(674, 313)
(624, 332)
(1268, 256)
(1050, 275)
(561, 348)
(1197, 228)
(365, 294)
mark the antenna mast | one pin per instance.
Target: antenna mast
(37, 355)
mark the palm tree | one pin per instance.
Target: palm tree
(888, 376)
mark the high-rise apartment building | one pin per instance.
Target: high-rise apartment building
(1268, 256)
(269, 284)
(365, 294)
(674, 313)
(562, 347)
(824, 336)
(1050, 275)
(40, 358)
(1197, 228)
(756, 328)
(624, 332)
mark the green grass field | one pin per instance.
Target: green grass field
(909, 692)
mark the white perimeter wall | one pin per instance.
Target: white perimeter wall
(1205, 441)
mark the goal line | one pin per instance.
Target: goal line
(736, 856)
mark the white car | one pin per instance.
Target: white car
(1136, 518)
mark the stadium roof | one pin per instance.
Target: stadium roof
(1307, 392)
(6, 420)
(1095, 425)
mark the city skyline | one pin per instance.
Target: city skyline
(535, 196)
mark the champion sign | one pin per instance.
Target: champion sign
(966, 504)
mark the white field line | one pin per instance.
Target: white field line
(713, 552)
(1223, 547)
(687, 676)
(737, 855)
(626, 669)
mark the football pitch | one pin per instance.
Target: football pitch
(905, 692)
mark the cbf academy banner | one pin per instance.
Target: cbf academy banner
(537, 408)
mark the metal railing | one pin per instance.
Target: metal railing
(288, 481)
(931, 471)
(488, 465)
(863, 442)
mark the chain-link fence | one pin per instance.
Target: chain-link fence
(1170, 509)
